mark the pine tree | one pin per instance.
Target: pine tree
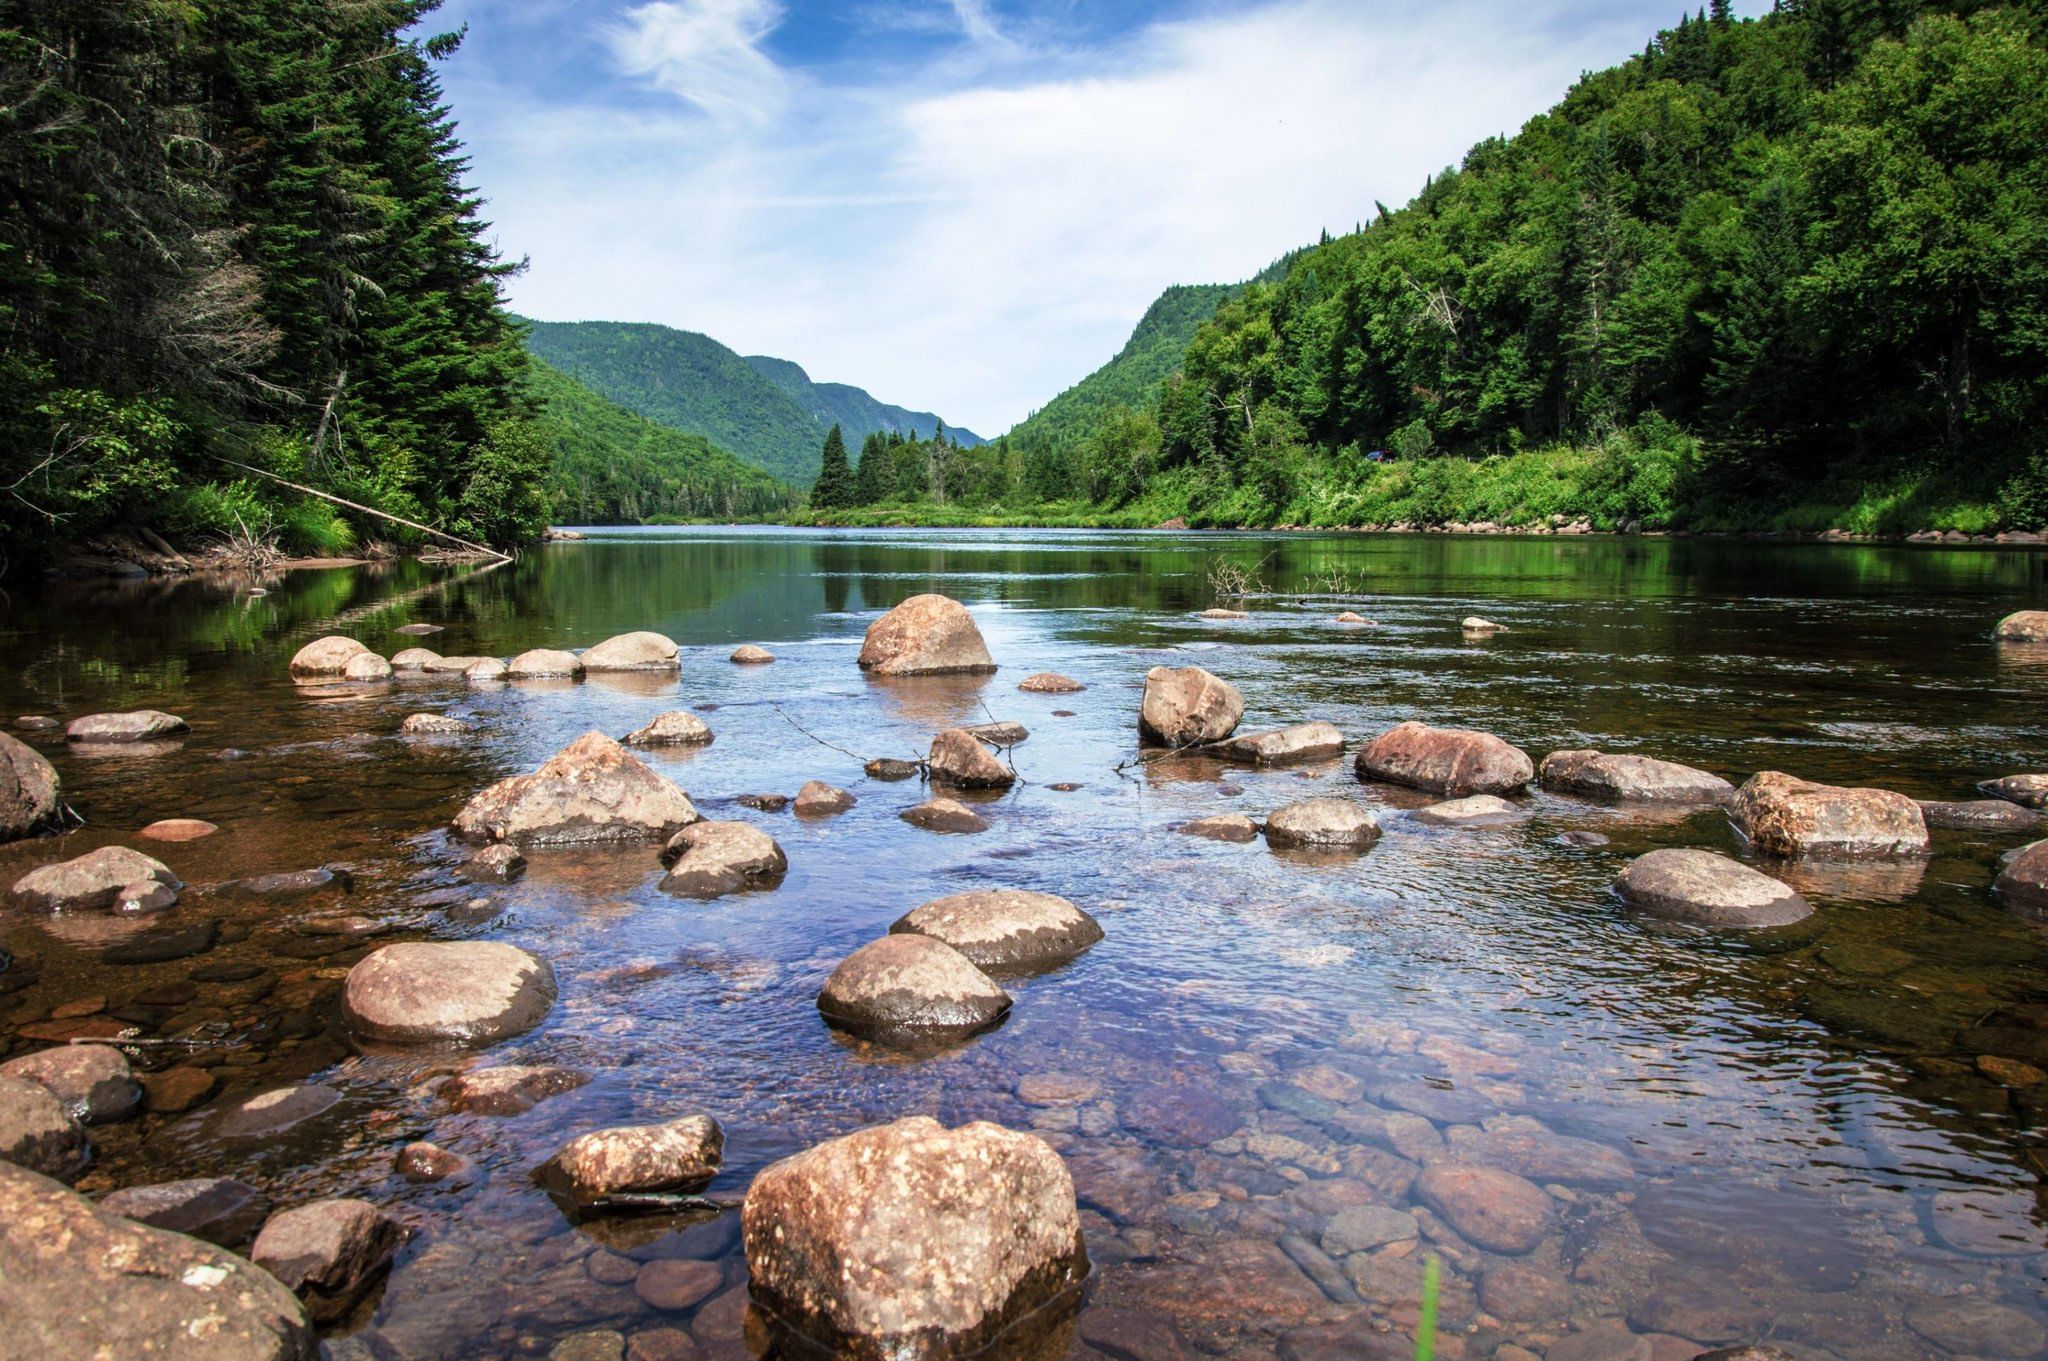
(834, 487)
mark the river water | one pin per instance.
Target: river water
(1784, 1135)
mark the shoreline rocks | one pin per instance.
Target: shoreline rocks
(1317, 823)
(911, 986)
(678, 1156)
(1449, 761)
(711, 859)
(325, 658)
(545, 663)
(31, 791)
(958, 758)
(1707, 889)
(640, 651)
(1187, 707)
(926, 635)
(461, 992)
(591, 791)
(1623, 778)
(94, 881)
(1783, 815)
(1005, 929)
(1278, 746)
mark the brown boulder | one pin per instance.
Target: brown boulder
(462, 992)
(93, 881)
(92, 1080)
(1783, 815)
(711, 859)
(30, 791)
(675, 1157)
(1279, 746)
(366, 666)
(420, 1162)
(592, 790)
(38, 1133)
(959, 759)
(1005, 929)
(819, 800)
(2028, 791)
(216, 1209)
(1708, 890)
(1624, 778)
(328, 1252)
(676, 728)
(1494, 1209)
(908, 986)
(325, 658)
(910, 1239)
(2023, 879)
(510, 1089)
(178, 829)
(944, 815)
(498, 863)
(140, 725)
(633, 652)
(1050, 683)
(2023, 626)
(1453, 761)
(927, 635)
(1187, 707)
(1322, 822)
(545, 663)
(749, 655)
(1223, 827)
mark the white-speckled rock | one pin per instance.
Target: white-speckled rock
(465, 992)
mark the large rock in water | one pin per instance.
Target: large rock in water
(30, 792)
(325, 658)
(592, 790)
(77, 1281)
(1337, 823)
(465, 992)
(906, 987)
(216, 1209)
(944, 815)
(633, 652)
(93, 1081)
(912, 1240)
(2023, 626)
(329, 1251)
(1626, 778)
(927, 635)
(711, 859)
(1982, 815)
(1708, 890)
(1278, 746)
(2028, 791)
(674, 1157)
(1784, 815)
(2023, 880)
(958, 758)
(36, 1132)
(92, 881)
(676, 728)
(1187, 706)
(1001, 929)
(1453, 761)
(545, 663)
(137, 725)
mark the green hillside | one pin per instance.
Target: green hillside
(612, 466)
(854, 410)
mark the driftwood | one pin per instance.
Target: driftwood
(368, 510)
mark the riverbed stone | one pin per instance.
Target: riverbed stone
(1521, 1293)
(1474, 810)
(421, 1163)
(926, 635)
(509, 1089)
(820, 800)
(463, 992)
(78, 1281)
(218, 1209)
(591, 791)
(640, 651)
(1005, 929)
(1490, 1207)
(2023, 626)
(1783, 815)
(498, 863)
(325, 658)
(1601, 1340)
(2023, 879)
(138, 725)
(486, 671)
(1982, 815)
(1184, 1111)
(1708, 889)
(712, 859)
(1988, 1222)
(676, 728)
(265, 1115)
(433, 725)
(1050, 683)
(944, 815)
(1281, 746)
(675, 1156)
(914, 1239)
(1525, 1146)
(1186, 706)
(1326, 822)
(178, 829)
(1623, 778)
(677, 1284)
(2028, 791)
(414, 659)
(909, 986)
(1234, 827)
(93, 1081)
(1362, 1228)
(1449, 761)
(92, 881)
(1474, 626)
(959, 759)
(366, 667)
(172, 1091)
(37, 1131)
(545, 663)
(328, 1252)
(748, 654)
(31, 793)
(1971, 1325)
(1700, 1308)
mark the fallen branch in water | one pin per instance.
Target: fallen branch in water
(923, 767)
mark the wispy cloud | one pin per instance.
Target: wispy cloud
(709, 53)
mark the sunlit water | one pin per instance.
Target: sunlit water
(1781, 1127)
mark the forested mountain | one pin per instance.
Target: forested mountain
(854, 410)
(611, 466)
(242, 230)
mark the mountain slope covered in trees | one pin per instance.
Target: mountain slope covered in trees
(855, 411)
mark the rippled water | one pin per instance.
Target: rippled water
(1784, 1135)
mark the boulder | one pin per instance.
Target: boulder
(77, 1280)
(498, 863)
(432, 725)
(545, 663)
(711, 859)
(1050, 683)
(455, 665)
(2023, 626)
(92, 881)
(1219, 612)
(2028, 791)
(1322, 822)
(958, 759)
(30, 791)
(944, 815)
(1475, 627)
(1708, 890)
(139, 725)
(676, 728)
(1005, 929)
(2023, 879)
(749, 655)
(328, 1252)
(510, 1089)
(92, 1080)
(678, 1156)
(325, 658)
(265, 1115)
(910, 1239)
(219, 1210)
(178, 829)
(421, 1162)
(1453, 761)
(908, 986)
(172, 1091)
(38, 1133)
(1001, 733)
(1982, 815)
(890, 768)
(465, 992)
(819, 800)
(486, 671)
(1187, 707)
(927, 635)
(1352, 617)
(1223, 827)
(591, 791)
(1474, 810)
(633, 652)
(1491, 1208)
(1624, 778)
(414, 659)
(1783, 815)
(366, 666)
(1278, 746)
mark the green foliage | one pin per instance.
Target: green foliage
(850, 408)
(1412, 440)
(834, 486)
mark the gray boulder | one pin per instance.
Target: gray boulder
(909, 986)
(1334, 823)
(1708, 890)
(140, 725)
(1280, 746)
(30, 791)
(462, 992)
(1005, 929)
(92, 881)
(591, 791)
(1624, 778)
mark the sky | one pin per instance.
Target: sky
(966, 205)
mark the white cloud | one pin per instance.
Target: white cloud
(708, 52)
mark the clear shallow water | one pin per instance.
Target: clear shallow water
(1779, 1130)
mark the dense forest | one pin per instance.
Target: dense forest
(240, 231)
(1783, 272)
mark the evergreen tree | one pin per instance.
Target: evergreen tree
(834, 487)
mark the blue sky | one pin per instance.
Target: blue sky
(965, 205)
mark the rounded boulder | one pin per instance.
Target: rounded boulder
(959, 759)
(926, 635)
(1708, 890)
(711, 859)
(1337, 823)
(907, 986)
(545, 663)
(1005, 929)
(1186, 706)
(463, 992)
(591, 791)
(325, 658)
(640, 651)
(1783, 815)
(1449, 761)
(30, 790)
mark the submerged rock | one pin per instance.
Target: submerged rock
(93, 1081)
(291, 883)
(1971, 1325)
(139, 725)
(217, 1209)
(433, 725)
(2023, 626)
(178, 829)
(81, 1281)
(677, 728)
(766, 803)
(1001, 733)
(944, 815)
(911, 986)
(926, 635)
(749, 655)
(510, 1089)
(1223, 827)
(711, 859)
(268, 1114)
(171, 1091)
(328, 1252)
(1473, 810)
(674, 1157)
(545, 663)
(2023, 880)
(889, 768)
(325, 658)
(818, 800)
(366, 666)
(958, 759)
(1452, 761)
(633, 652)
(998, 929)
(591, 791)
(498, 863)
(93, 881)
(1187, 706)
(1491, 1208)
(466, 992)
(1473, 626)
(1278, 746)
(30, 791)
(37, 1132)
(1989, 815)
(421, 1162)
(1708, 890)
(913, 1240)
(1783, 815)
(414, 659)
(1322, 822)
(1050, 683)
(1623, 777)
(2028, 791)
